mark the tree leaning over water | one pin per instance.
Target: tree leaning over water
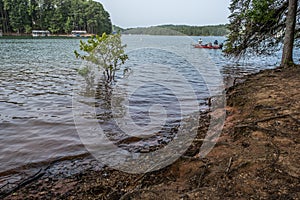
(262, 26)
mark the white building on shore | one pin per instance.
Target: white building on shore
(78, 33)
(40, 33)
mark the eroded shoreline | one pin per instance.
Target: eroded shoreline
(257, 155)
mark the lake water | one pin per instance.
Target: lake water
(38, 81)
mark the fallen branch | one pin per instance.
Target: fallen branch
(204, 160)
(190, 158)
(270, 118)
(294, 119)
(229, 165)
(277, 152)
(4, 185)
(25, 182)
(258, 128)
(244, 164)
(204, 172)
(137, 191)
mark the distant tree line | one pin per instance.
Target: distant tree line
(215, 30)
(57, 16)
(117, 29)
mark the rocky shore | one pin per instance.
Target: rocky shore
(256, 157)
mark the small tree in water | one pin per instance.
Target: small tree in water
(107, 52)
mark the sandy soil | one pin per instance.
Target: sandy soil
(256, 157)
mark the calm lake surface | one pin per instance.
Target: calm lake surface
(38, 77)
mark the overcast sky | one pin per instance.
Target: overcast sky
(140, 13)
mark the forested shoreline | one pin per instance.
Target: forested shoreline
(61, 17)
(212, 30)
(56, 16)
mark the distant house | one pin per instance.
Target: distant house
(40, 33)
(1, 34)
(77, 33)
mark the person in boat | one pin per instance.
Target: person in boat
(209, 44)
(200, 41)
(216, 42)
(221, 46)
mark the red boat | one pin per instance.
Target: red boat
(207, 47)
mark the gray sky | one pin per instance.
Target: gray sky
(137, 13)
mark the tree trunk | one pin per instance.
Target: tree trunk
(287, 54)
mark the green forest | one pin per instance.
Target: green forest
(216, 30)
(57, 16)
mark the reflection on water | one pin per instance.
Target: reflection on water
(37, 77)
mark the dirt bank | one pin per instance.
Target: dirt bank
(256, 157)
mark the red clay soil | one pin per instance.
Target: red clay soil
(256, 157)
